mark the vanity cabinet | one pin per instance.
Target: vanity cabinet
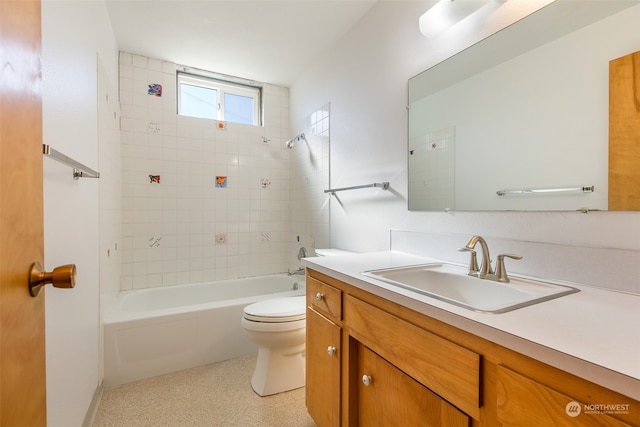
(324, 313)
(373, 362)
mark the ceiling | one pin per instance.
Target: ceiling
(271, 41)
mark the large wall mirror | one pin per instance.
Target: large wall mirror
(519, 121)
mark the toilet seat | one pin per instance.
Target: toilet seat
(277, 310)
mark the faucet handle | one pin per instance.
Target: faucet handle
(474, 270)
(501, 271)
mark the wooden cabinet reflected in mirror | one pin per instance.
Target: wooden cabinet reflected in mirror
(624, 133)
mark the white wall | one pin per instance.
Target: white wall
(365, 79)
(74, 34)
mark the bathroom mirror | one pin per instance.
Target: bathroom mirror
(519, 121)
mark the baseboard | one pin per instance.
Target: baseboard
(93, 407)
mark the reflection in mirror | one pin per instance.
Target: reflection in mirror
(532, 127)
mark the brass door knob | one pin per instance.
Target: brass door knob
(61, 277)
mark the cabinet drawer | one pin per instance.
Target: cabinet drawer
(324, 298)
(525, 402)
(448, 369)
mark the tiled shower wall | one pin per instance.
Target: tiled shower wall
(178, 226)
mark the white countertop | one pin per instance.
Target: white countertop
(593, 334)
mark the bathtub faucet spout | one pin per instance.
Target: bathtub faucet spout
(299, 271)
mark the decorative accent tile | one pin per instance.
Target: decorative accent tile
(441, 140)
(154, 242)
(154, 179)
(155, 89)
(265, 182)
(221, 125)
(154, 127)
(221, 182)
(265, 237)
(221, 239)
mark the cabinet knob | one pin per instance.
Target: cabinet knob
(331, 350)
(319, 296)
(367, 380)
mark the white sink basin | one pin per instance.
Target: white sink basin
(452, 284)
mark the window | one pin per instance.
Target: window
(210, 98)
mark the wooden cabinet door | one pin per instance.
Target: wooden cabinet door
(624, 133)
(323, 370)
(446, 368)
(388, 397)
(523, 402)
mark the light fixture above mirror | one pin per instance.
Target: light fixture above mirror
(447, 13)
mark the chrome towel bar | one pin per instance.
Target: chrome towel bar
(79, 170)
(383, 185)
(584, 189)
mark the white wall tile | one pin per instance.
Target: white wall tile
(185, 210)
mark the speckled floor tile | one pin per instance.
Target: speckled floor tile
(214, 395)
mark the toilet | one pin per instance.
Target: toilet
(278, 327)
(331, 252)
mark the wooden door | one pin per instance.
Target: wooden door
(22, 339)
(624, 133)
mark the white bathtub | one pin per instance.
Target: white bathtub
(155, 331)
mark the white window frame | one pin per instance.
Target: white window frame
(222, 87)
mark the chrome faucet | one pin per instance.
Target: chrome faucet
(501, 271)
(486, 271)
(299, 271)
(485, 267)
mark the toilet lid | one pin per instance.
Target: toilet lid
(277, 310)
(331, 252)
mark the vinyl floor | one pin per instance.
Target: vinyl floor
(213, 395)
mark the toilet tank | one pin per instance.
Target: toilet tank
(331, 252)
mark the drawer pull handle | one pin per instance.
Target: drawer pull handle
(331, 350)
(319, 296)
(367, 380)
